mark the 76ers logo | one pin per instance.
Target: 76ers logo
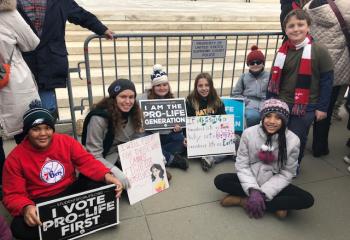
(52, 172)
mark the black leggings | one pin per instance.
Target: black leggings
(20, 230)
(291, 197)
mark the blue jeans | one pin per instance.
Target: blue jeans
(172, 143)
(252, 117)
(301, 126)
(48, 99)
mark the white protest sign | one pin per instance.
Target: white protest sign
(142, 163)
(210, 135)
(79, 214)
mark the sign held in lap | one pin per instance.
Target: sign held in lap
(210, 135)
(163, 113)
(79, 214)
(142, 163)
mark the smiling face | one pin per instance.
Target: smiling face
(296, 30)
(203, 87)
(256, 66)
(40, 136)
(272, 123)
(161, 90)
(125, 100)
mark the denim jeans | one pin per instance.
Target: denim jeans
(172, 143)
(252, 117)
(48, 99)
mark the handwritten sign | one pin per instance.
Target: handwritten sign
(163, 113)
(204, 49)
(78, 215)
(210, 135)
(142, 163)
(235, 106)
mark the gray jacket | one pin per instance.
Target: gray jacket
(96, 132)
(252, 89)
(253, 173)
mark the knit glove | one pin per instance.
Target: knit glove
(5, 232)
(255, 206)
(121, 176)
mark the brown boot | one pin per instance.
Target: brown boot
(168, 175)
(231, 200)
(281, 214)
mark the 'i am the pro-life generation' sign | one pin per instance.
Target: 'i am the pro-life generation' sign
(210, 135)
(79, 214)
(163, 113)
(204, 49)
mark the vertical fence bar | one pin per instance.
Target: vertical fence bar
(234, 64)
(245, 53)
(266, 47)
(142, 67)
(129, 59)
(102, 69)
(223, 69)
(167, 54)
(190, 77)
(115, 58)
(154, 50)
(179, 69)
(212, 65)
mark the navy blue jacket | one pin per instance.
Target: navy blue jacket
(49, 61)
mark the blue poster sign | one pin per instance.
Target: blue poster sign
(235, 106)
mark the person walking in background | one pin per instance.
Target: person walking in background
(252, 86)
(326, 29)
(49, 62)
(171, 139)
(301, 76)
(266, 163)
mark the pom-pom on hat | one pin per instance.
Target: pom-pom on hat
(275, 106)
(37, 115)
(120, 85)
(158, 75)
(255, 54)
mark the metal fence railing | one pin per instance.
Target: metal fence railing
(183, 55)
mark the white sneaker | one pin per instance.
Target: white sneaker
(347, 159)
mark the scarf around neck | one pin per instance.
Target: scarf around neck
(302, 88)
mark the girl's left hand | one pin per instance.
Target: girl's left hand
(320, 115)
(177, 128)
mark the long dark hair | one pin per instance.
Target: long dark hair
(110, 104)
(161, 171)
(282, 143)
(213, 99)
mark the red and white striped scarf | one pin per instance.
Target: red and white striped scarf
(302, 88)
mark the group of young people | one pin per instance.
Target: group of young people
(268, 157)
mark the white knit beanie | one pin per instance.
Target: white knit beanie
(158, 76)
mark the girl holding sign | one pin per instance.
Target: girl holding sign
(266, 163)
(114, 120)
(203, 101)
(171, 139)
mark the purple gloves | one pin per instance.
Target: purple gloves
(255, 206)
(5, 232)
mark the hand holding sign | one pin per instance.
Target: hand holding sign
(30, 216)
(110, 179)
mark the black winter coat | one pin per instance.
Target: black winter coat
(49, 61)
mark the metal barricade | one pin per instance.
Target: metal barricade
(183, 55)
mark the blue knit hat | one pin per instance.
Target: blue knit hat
(37, 115)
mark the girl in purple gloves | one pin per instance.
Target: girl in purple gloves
(266, 163)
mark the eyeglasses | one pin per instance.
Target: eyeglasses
(256, 62)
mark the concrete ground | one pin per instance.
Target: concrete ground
(190, 208)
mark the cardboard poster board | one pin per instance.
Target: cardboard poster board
(79, 214)
(142, 163)
(163, 113)
(210, 135)
(235, 106)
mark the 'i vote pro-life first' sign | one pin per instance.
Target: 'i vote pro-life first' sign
(79, 214)
(163, 113)
(210, 135)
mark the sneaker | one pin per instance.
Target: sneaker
(281, 214)
(347, 159)
(180, 162)
(207, 162)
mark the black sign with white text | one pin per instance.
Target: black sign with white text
(163, 113)
(80, 214)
